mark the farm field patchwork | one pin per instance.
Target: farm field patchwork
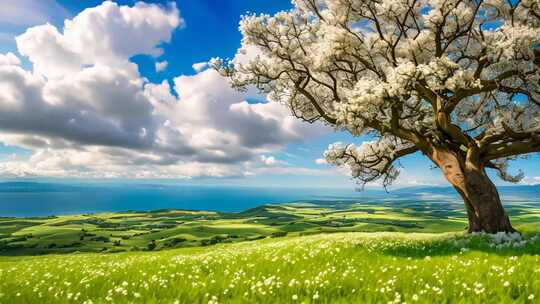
(164, 229)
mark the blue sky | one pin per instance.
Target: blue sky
(207, 29)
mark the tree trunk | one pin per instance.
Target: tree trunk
(482, 201)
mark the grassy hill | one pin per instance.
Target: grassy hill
(326, 268)
(164, 229)
(303, 252)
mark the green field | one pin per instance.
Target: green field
(304, 252)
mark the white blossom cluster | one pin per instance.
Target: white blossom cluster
(369, 161)
(502, 240)
(385, 65)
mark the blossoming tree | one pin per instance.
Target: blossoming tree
(457, 81)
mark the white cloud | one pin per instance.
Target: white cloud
(419, 176)
(30, 12)
(84, 110)
(161, 66)
(17, 15)
(531, 180)
(268, 160)
(200, 66)
(108, 34)
(292, 170)
(9, 59)
(320, 161)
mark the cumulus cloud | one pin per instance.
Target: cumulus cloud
(9, 59)
(161, 66)
(84, 110)
(200, 66)
(108, 34)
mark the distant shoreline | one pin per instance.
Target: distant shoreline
(36, 199)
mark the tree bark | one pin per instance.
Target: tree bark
(482, 201)
(474, 221)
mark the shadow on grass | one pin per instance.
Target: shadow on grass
(462, 245)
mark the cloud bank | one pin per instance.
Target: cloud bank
(85, 111)
(161, 66)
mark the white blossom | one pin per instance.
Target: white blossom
(425, 74)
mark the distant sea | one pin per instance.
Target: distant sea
(26, 199)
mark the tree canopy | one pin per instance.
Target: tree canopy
(414, 74)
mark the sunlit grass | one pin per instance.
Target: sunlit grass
(337, 268)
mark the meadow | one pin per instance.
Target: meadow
(326, 268)
(165, 229)
(303, 252)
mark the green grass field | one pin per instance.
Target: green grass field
(308, 252)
